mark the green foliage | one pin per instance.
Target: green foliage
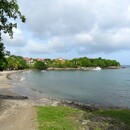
(58, 118)
(15, 63)
(2, 54)
(2, 57)
(2, 64)
(9, 11)
(40, 65)
(68, 63)
(82, 62)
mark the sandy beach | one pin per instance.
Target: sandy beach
(16, 113)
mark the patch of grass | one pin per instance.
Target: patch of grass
(59, 118)
(118, 114)
(68, 118)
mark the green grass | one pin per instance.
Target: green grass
(121, 115)
(67, 118)
(58, 118)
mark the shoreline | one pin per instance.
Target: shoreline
(83, 68)
(6, 83)
(8, 94)
(12, 108)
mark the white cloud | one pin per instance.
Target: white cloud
(82, 26)
(17, 41)
(35, 47)
(58, 17)
(55, 44)
(83, 38)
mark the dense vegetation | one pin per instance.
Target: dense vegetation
(40, 65)
(2, 57)
(18, 62)
(15, 62)
(82, 62)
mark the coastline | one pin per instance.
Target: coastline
(13, 109)
(4, 78)
(13, 106)
(83, 68)
(5, 89)
(5, 83)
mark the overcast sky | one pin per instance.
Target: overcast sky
(73, 28)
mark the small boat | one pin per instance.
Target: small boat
(43, 70)
(97, 68)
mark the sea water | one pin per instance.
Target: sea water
(110, 87)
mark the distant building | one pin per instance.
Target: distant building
(40, 59)
(26, 59)
(29, 61)
(60, 59)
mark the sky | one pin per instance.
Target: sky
(73, 28)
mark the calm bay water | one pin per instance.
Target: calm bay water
(105, 87)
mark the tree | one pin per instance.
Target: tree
(85, 62)
(9, 12)
(12, 63)
(2, 59)
(16, 62)
(68, 63)
(3, 53)
(40, 65)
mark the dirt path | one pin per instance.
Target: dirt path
(18, 116)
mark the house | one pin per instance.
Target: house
(40, 59)
(60, 59)
(29, 61)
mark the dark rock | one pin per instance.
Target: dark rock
(8, 97)
(86, 107)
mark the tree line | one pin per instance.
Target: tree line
(83, 62)
(13, 62)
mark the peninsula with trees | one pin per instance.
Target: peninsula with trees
(13, 62)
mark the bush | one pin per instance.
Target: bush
(40, 65)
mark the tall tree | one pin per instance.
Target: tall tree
(2, 59)
(9, 12)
